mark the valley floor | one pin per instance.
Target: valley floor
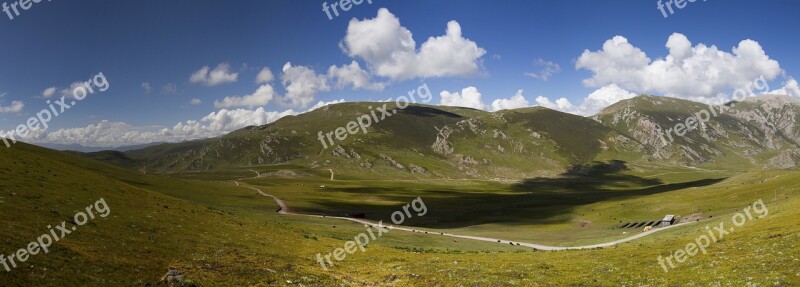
(219, 234)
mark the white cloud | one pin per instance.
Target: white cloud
(15, 107)
(170, 88)
(196, 102)
(469, 97)
(260, 97)
(548, 69)
(219, 75)
(515, 102)
(562, 104)
(115, 134)
(390, 50)
(594, 103)
(264, 76)
(146, 87)
(49, 92)
(69, 92)
(790, 88)
(352, 75)
(302, 85)
(322, 104)
(691, 72)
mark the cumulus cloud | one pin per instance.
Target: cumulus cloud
(696, 72)
(196, 102)
(390, 51)
(322, 104)
(260, 97)
(264, 76)
(352, 75)
(515, 102)
(115, 134)
(170, 88)
(15, 107)
(594, 103)
(69, 92)
(302, 85)
(562, 104)
(146, 87)
(49, 92)
(469, 97)
(790, 88)
(547, 70)
(219, 75)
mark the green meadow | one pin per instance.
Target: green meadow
(220, 234)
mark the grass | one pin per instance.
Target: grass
(219, 234)
(566, 211)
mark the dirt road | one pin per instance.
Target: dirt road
(284, 209)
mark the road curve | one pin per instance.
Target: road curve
(284, 209)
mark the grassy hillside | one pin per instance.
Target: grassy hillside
(416, 142)
(145, 233)
(531, 175)
(449, 142)
(219, 234)
(758, 132)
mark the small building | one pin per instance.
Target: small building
(668, 220)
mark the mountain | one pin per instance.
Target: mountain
(452, 142)
(89, 149)
(758, 131)
(419, 140)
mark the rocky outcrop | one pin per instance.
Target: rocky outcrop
(391, 161)
(339, 151)
(416, 169)
(442, 145)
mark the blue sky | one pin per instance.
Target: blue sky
(163, 43)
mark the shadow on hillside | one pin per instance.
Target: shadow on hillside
(428, 112)
(529, 202)
(580, 178)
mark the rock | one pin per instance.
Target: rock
(498, 133)
(173, 278)
(442, 146)
(417, 169)
(340, 152)
(465, 159)
(391, 161)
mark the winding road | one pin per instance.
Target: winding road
(284, 209)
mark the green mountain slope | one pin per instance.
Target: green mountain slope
(144, 233)
(449, 142)
(418, 141)
(735, 135)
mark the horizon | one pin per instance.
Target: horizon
(399, 143)
(170, 82)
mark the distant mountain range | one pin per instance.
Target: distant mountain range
(82, 148)
(438, 141)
